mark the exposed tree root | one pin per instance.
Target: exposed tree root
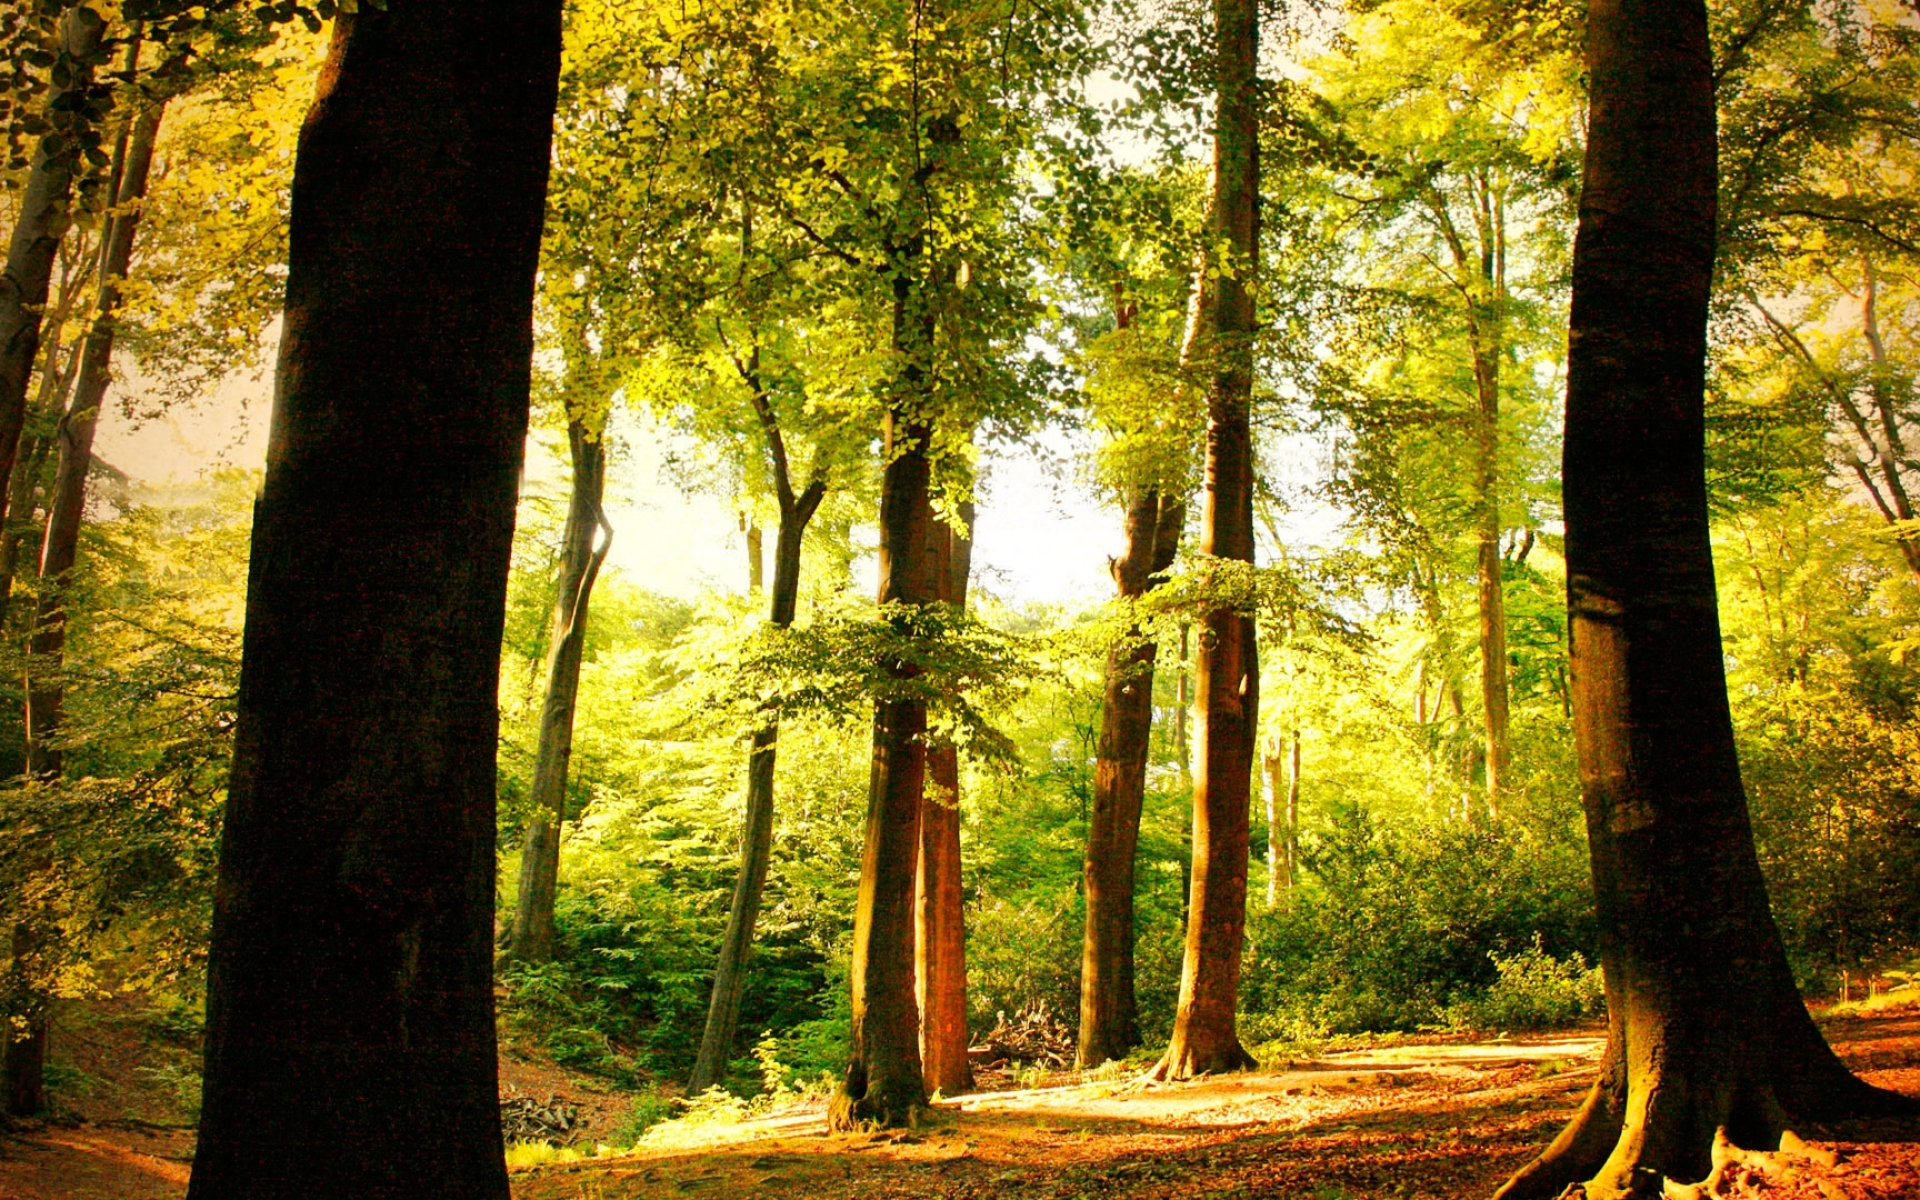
(1183, 1062)
(1600, 1155)
(874, 1108)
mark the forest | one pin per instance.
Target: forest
(617, 652)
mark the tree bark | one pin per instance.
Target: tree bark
(1709, 1044)
(884, 1084)
(350, 1032)
(1226, 671)
(756, 557)
(940, 936)
(1279, 863)
(1493, 608)
(1109, 1009)
(42, 220)
(532, 936)
(67, 502)
(756, 837)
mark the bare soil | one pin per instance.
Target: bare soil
(1442, 1119)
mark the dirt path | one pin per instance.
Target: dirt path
(1441, 1121)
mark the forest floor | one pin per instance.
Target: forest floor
(1438, 1119)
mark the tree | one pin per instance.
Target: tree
(43, 217)
(940, 936)
(531, 938)
(1226, 670)
(350, 1039)
(74, 440)
(1710, 1052)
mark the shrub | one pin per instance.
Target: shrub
(1534, 991)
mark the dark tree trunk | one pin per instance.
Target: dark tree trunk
(1709, 1045)
(1109, 1013)
(940, 935)
(532, 937)
(67, 502)
(42, 220)
(884, 1085)
(756, 835)
(350, 1036)
(1226, 671)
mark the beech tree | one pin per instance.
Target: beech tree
(1226, 669)
(350, 1039)
(1711, 1056)
(940, 937)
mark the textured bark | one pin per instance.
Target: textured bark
(40, 223)
(1494, 705)
(884, 1084)
(940, 936)
(350, 1031)
(1226, 671)
(531, 939)
(67, 501)
(1109, 1009)
(1708, 1040)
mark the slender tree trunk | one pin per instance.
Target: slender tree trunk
(1493, 607)
(884, 1083)
(22, 1064)
(532, 936)
(755, 557)
(1109, 1010)
(350, 1030)
(1279, 865)
(25, 482)
(1293, 814)
(1227, 673)
(42, 220)
(756, 836)
(940, 936)
(1709, 1044)
(66, 506)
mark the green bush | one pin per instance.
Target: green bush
(1534, 991)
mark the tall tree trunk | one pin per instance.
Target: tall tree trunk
(1493, 608)
(532, 936)
(756, 557)
(940, 936)
(1109, 1009)
(756, 836)
(23, 1060)
(1708, 1041)
(1279, 864)
(1227, 673)
(66, 504)
(884, 1084)
(1292, 846)
(350, 1031)
(42, 220)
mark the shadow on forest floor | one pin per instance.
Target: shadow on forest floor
(1420, 1122)
(1436, 1121)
